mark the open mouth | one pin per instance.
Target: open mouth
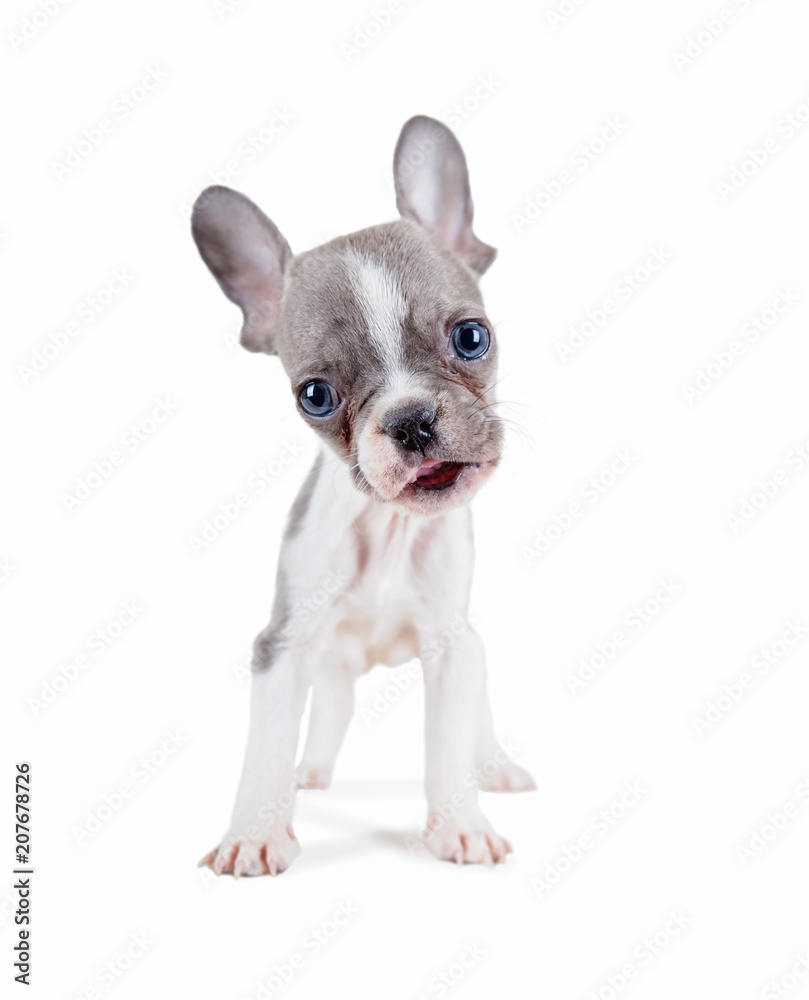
(435, 474)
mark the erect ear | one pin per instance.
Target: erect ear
(247, 256)
(432, 187)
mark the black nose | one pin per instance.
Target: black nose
(412, 427)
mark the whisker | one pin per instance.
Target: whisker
(325, 462)
(512, 425)
(345, 471)
(499, 402)
(496, 382)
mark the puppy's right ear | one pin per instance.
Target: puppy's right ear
(247, 256)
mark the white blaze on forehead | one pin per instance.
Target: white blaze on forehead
(380, 297)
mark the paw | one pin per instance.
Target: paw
(313, 776)
(465, 843)
(508, 777)
(243, 856)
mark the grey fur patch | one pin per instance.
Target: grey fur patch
(302, 502)
(272, 639)
(326, 331)
(275, 637)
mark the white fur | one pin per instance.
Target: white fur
(389, 611)
(378, 292)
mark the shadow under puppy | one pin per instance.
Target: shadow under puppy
(391, 361)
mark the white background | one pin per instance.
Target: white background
(179, 666)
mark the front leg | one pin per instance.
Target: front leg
(454, 686)
(259, 840)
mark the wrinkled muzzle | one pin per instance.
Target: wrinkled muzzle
(426, 451)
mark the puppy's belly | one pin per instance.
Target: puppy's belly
(386, 639)
(393, 650)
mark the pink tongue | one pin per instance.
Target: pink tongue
(426, 468)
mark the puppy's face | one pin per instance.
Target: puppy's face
(392, 361)
(383, 334)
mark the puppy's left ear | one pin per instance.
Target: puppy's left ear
(432, 187)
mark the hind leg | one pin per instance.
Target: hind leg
(498, 773)
(332, 708)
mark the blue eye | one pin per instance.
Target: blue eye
(470, 340)
(318, 399)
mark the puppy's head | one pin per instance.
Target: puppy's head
(382, 333)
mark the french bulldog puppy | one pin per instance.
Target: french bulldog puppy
(392, 362)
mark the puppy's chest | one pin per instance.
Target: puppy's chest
(388, 577)
(397, 578)
(384, 604)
